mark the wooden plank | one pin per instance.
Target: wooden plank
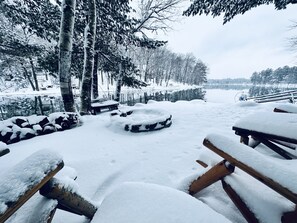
(244, 132)
(202, 163)
(31, 190)
(257, 175)
(290, 217)
(239, 203)
(280, 110)
(68, 200)
(276, 148)
(214, 174)
(4, 152)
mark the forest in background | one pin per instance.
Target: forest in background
(29, 44)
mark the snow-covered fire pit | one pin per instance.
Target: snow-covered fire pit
(142, 120)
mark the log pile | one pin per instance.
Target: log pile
(19, 128)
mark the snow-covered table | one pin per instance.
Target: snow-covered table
(98, 105)
(279, 175)
(275, 130)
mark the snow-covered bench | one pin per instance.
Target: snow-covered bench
(275, 130)
(35, 173)
(98, 105)
(279, 175)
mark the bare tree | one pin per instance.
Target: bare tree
(153, 16)
(157, 15)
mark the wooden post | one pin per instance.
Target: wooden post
(275, 148)
(244, 139)
(290, 217)
(239, 203)
(68, 200)
(216, 173)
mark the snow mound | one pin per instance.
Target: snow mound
(147, 203)
(246, 103)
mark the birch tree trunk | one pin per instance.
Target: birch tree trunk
(118, 84)
(66, 35)
(90, 32)
(95, 76)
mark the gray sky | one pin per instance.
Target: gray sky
(251, 42)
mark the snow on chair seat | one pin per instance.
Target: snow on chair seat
(22, 181)
(149, 203)
(279, 175)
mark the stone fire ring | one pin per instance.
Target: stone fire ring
(143, 120)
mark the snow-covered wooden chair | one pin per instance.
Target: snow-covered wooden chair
(35, 173)
(277, 131)
(278, 175)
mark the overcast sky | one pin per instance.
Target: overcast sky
(251, 42)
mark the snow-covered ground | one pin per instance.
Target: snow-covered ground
(105, 156)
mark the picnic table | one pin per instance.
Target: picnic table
(275, 130)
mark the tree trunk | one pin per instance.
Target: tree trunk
(34, 74)
(95, 76)
(66, 34)
(118, 84)
(90, 32)
(28, 77)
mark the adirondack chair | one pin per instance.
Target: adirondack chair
(279, 175)
(275, 130)
(36, 172)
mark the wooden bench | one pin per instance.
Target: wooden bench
(35, 173)
(275, 130)
(279, 175)
(98, 105)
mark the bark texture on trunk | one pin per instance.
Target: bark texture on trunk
(90, 32)
(66, 34)
(118, 84)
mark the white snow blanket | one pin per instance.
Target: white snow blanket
(148, 203)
